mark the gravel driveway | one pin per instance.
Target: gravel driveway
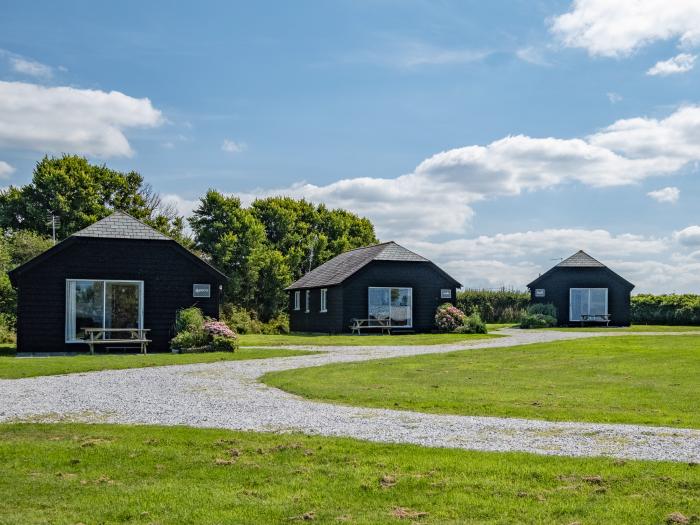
(228, 395)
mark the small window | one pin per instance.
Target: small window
(297, 300)
(324, 306)
(308, 297)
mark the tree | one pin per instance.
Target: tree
(81, 193)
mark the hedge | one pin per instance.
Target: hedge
(494, 306)
(673, 309)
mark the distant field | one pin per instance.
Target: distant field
(651, 380)
(633, 328)
(70, 474)
(357, 340)
(17, 367)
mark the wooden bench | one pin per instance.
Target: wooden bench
(98, 336)
(597, 318)
(357, 325)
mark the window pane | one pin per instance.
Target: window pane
(88, 306)
(379, 303)
(401, 306)
(579, 303)
(598, 304)
(122, 306)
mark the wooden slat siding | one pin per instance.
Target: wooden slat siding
(558, 282)
(168, 276)
(349, 299)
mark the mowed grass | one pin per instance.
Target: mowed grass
(18, 367)
(68, 474)
(633, 328)
(304, 339)
(650, 380)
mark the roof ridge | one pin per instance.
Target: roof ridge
(110, 222)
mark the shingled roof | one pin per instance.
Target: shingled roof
(120, 225)
(581, 260)
(344, 265)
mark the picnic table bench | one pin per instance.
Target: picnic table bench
(98, 336)
(595, 318)
(356, 325)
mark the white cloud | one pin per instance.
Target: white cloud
(668, 194)
(410, 54)
(689, 236)
(183, 206)
(620, 27)
(230, 146)
(532, 55)
(613, 97)
(67, 119)
(681, 63)
(5, 169)
(31, 67)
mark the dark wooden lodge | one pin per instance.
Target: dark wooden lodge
(382, 284)
(584, 290)
(117, 273)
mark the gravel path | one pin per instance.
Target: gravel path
(228, 395)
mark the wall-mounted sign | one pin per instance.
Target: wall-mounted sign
(445, 293)
(201, 290)
(539, 292)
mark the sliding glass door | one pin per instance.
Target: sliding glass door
(102, 304)
(587, 301)
(391, 305)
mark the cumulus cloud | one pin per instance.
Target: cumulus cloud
(67, 119)
(681, 63)
(5, 169)
(689, 236)
(668, 194)
(231, 146)
(620, 27)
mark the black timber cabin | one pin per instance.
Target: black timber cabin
(385, 281)
(581, 287)
(116, 273)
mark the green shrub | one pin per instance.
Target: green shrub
(672, 309)
(188, 342)
(7, 329)
(537, 321)
(494, 306)
(189, 320)
(224, 344)
(246, 322)
(277, 325)
(542, 308)
(472, 325)
(448, 317)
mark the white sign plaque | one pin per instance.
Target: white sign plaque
(539, 292)
(201, 290)
(445, 293)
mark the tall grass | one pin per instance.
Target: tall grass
(494, 306)
(672, 309)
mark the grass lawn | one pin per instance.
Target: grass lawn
(649, 380)
(115, 474)
(356, 340)
(16, 367)
(633, 328)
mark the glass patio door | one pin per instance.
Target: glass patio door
(392, 305)
(122, 305)
(587, 301)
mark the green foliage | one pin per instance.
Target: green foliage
(537, 321)
(542, 308)
(246, 322)
(672, 309)
(81, 193)
(472, 325)
(224, 344)
(195, 333)
(189, 320)
(190, 341)
(494, 306)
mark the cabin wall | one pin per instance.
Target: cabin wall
(425, 279)
(167, 273)
(560, 280)
(315, 320)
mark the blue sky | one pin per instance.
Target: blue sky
(491, 136)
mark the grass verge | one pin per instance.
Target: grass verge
(651, 380)
(17, 367)
(633, 328)
(117, 474)
(304, 339)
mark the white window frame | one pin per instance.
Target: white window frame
(571, 292)
(324, 300)
(391, 288)
(71, 308)
(308, 301)
(297, 300)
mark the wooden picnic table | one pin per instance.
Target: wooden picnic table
(599, 318)
(98, 336)
(356, 325)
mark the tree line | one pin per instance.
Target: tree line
(261, 248)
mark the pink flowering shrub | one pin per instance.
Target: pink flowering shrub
(448, 317)
(218, 328)
(195, 333)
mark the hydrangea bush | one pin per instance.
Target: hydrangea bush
(195, 333)
(448, 317)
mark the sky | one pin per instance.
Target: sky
(494, 137)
